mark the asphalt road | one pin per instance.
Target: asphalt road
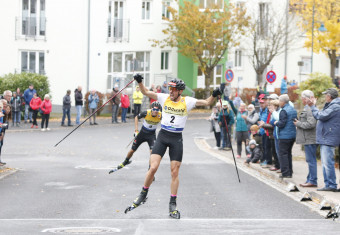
(69, 187)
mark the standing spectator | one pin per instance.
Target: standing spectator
(284, 89)
(164, 88)
(137, 101)
(269, 128)
(153, 88)
(115, 103)
(305, 135)
(93, 104)
(158, 89)
(229, 119)
(265, 135)
(66, 109)
(287, 135)
(276, 117)
(46, 108)
(28, 95)
(215, 127)
(16, 106)
(125, 104)
(35, 105)
(78, 97)
(22, 101)
(2, 131)
(252, 117)
(327, 135)
(242, 134)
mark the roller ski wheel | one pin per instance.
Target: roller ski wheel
(120, 166)
(173, 212)
(140, 200)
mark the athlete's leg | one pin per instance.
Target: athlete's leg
(175, 165)
(155, 160)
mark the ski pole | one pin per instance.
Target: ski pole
(225, 122)
(93, 113)
(131, 142)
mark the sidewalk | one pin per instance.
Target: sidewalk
(300, 169)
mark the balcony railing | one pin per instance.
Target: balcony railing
(118, 30)
(30, 28)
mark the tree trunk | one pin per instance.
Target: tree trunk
(332, 57)
(259, 77)
(208, 77)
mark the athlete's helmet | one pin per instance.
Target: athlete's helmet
(177, 83)
(156, 104)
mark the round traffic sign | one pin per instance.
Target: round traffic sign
(229, 75)
(271, 76)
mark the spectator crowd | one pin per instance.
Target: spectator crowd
(270, 131)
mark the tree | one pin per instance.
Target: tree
(204, 36)
(326, 13)
(269, 35)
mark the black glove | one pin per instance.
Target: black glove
(138, 78)
(217, 92)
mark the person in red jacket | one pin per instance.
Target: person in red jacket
(125, 104)
(46, 108)
(35, 105)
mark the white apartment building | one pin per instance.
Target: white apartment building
(92, 43)
(244, 73)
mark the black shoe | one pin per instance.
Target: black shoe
(285, 176)
(95, 123)
(70, 125)
(173, 212)
(327, 189)
(2, 163)
(141, 198)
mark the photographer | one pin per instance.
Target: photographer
(3, 127)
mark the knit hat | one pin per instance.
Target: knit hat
(253, 142)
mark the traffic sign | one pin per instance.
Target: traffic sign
(271, 76)
(229, 75)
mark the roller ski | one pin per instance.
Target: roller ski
(173, 212)
(120, 166)
(140, 200)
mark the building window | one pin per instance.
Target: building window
(165, 60)
(211, 3)
(306, 66)
(33, 62)
(118, 27)
(263, 19)
(125, 64)
(238, 58)
(146, 10)
(33, 21)
(165, 13)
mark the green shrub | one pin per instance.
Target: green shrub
(318, 82)
(23, 80)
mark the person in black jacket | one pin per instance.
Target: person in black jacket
(78, 96)
(67, 108)
(256, 152)
(16, 108)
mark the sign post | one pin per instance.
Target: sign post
(271, 76)
(229, 75)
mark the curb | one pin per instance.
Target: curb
(6, 171)
(289, 186)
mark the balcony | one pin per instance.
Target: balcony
(118, 30)
(30, 28)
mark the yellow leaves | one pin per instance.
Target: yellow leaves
(325, 12)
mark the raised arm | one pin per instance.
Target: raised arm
(143, 89)
(210, 100)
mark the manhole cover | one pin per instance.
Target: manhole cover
(82, 230)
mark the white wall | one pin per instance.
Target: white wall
(65, 46)
(295, 53)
